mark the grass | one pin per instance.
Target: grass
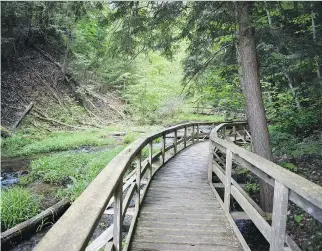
(72, 171)
(24, 143)
(17, 205)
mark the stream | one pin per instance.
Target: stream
(12, 169)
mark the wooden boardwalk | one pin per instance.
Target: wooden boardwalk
(180, 211)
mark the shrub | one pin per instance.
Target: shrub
(17, 205)
(282, 142)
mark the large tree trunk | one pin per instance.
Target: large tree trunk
(252, 91)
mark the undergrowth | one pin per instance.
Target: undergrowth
(284, 143)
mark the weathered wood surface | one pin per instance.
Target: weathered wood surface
(180, 212)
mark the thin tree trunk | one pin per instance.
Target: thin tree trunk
(269, 19)
(318, 71)
(290, 84)
(254, 103)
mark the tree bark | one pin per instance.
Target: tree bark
(252, 91)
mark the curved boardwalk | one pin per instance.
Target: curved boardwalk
(180, 212)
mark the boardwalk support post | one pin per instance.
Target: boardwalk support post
(185, 137)
(163, 148)
(229, 157)
(117, 229)
(175, 141)
(138, 181)
(197, 132)
(150, 158)
(279, 217)
(210, 169)
(193, 134)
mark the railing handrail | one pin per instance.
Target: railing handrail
(307, 189)
(222, 125)
(287, 186)
(74, 230)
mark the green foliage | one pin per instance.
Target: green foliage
(282, 142)
(298, 218)
(289, 166)
(155, 96)
(17, 205)
(286, 143)
(252, 188)
(288, 118)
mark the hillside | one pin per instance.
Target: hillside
(35, 75)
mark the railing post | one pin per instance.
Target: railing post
(279, 216)
(229, 162)
(150, 158)
(175, 141)
(210, 162)
(193, 134)
(197, 132)
(117, 228)
(185, 137)
(234, 132)
(138, 181)
(163, 148)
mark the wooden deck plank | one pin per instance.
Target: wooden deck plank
(180, 212)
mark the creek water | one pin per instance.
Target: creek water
(12, 169)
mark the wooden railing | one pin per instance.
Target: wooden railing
(75, 228)
(225, 154)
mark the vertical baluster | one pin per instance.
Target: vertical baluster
(229, 162)
(163, 148)
(193, 134)
(175, 141)
(150, 159)
(197, 132)
(185, 137)
(234, 132)
(117, 229)
(138, 181)
(279, 216)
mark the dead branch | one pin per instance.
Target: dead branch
(28, 108)
(45, 118)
